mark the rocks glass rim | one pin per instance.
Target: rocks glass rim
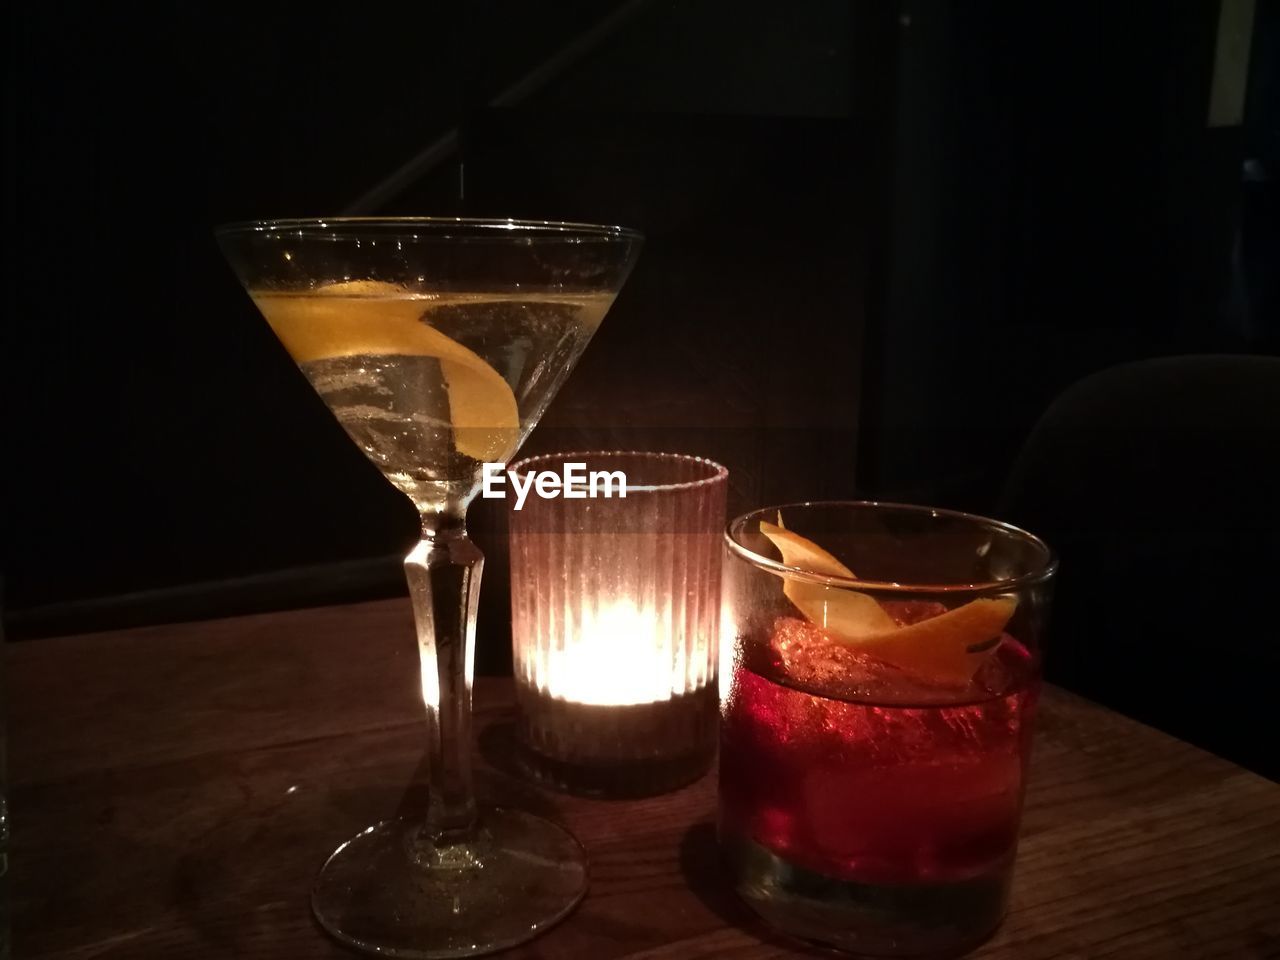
(1041, 573)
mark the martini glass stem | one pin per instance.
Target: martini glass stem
(443, 571)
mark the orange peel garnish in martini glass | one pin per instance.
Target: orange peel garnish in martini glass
(375, 318)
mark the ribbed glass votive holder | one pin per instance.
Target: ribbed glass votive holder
(615, 616)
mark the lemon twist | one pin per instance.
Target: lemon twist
(371, 317)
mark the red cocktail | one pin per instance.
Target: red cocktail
(870, 797)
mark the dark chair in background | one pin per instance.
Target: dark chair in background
(1158, 483)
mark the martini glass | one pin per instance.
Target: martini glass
(438, 344)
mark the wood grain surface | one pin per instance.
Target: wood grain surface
(174, 789)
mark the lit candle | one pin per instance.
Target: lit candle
(618, 656)
(615, 616)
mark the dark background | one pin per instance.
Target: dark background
(882, 238)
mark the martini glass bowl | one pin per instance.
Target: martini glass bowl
(438, 344)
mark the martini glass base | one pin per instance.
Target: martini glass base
(388, 893)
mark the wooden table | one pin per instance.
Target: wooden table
(174, 790)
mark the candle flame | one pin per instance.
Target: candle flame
(616, 655)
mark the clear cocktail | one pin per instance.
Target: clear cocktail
(438, 344)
